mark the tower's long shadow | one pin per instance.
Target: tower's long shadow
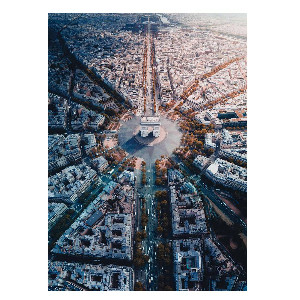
(132, 146)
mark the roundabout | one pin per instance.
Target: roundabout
(149, 148)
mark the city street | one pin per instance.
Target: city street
(150, 243)
(208, 192)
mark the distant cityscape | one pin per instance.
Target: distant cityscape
(147, 152)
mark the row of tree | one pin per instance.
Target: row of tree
(144, 177)
(193, 138)
(161, 171)
(165, 263)
(140, 259)
(163, 213)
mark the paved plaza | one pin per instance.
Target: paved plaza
(128, 141)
